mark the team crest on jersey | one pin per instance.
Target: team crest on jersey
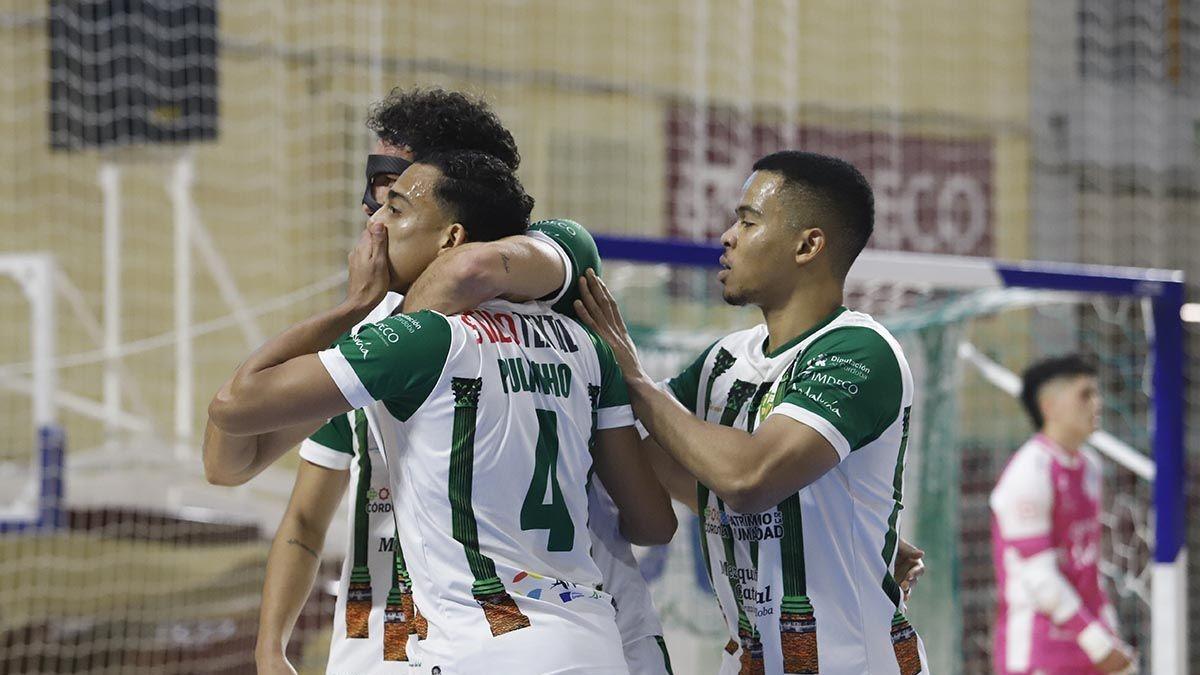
(379, 500)
(716, 521)
(773, 398)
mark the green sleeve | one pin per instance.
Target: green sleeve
(580, 248)
(850, 378)
(398, 361)
(686, 385)
(335, 435)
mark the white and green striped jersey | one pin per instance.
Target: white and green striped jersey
(637, 617)
(485, 420)
(806, 586)
(334, 447)
(371, 634)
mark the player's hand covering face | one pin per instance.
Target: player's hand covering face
(599, 311)
(418, 226)
(370, 275)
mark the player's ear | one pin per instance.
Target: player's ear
(454, 235)
(811, 242)
(1045, 404)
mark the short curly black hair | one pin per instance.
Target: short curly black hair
(482, 192)
(1038, 374)
(435, 120)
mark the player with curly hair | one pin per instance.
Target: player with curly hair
(491, 424)
(374, 613)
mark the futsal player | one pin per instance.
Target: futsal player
(373, 613)
(1053, 615)
(789, 438)
(458, 402)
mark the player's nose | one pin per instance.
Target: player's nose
(729, 236)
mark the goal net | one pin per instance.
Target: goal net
(194, 168)
(117, 560)
(966, 338)
(132, 568)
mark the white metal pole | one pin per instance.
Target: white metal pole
(223, 277)
(110, 189)
(43, 331)
(179, 188)
(39, 288)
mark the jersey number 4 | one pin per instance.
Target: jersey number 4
(536, 514)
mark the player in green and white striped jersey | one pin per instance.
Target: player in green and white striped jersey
(637, 618)
(503, 572)
(791, 436)
(412, 123)
(409, 123)
(372, 633)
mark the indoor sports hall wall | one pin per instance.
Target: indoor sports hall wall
(630, 116)
(1033, 129)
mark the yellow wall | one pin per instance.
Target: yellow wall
(583, 85)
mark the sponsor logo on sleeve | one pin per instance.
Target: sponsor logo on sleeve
(818, 398)
(830, 380)
(409, 322)
(361, 344)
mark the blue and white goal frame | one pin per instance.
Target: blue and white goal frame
(34, 274)
(1164, 289)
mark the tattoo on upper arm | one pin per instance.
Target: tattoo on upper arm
(306, 547)
(504, 259)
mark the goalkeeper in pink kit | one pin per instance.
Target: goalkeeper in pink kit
(1053, 616)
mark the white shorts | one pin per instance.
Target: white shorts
(563, 650)
(647, 656)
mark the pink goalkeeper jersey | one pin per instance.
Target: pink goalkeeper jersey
(1046, 499)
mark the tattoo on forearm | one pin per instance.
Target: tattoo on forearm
(306, 547)
(504, 259)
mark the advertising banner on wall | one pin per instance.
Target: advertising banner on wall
(933, 194)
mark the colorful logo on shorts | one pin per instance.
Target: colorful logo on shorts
(535, 586)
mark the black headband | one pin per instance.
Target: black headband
(377, 164)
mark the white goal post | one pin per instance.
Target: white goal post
(39, 504)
